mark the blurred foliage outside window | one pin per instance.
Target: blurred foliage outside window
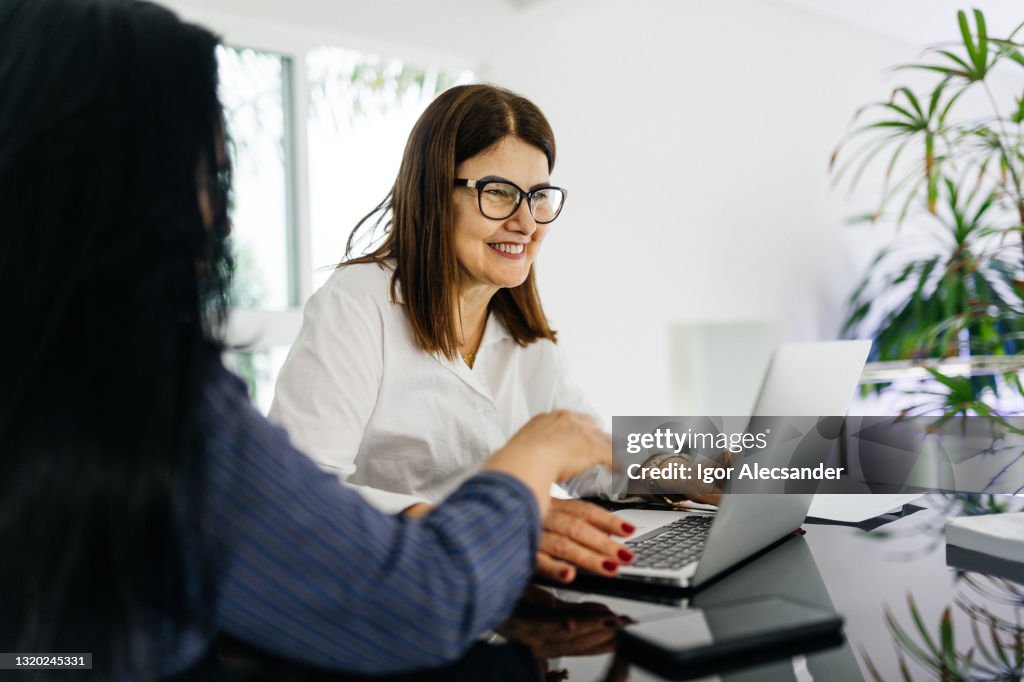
(361, 109)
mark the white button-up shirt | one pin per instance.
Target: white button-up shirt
(358, 395)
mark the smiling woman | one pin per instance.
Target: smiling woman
(414, 360)
(439, 237)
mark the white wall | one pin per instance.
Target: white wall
(693, 136)
(411, 29)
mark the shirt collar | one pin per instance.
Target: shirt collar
(494, 330)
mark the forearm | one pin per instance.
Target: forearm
(552, 447)
(535, 473)
(305, 568)
(373, 593)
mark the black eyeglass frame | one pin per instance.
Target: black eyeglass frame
(479, 186)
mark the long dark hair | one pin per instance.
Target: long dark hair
(417, 215)
(111, 285)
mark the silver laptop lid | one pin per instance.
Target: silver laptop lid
(803, 379)
(811, 379)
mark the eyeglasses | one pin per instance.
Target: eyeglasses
(499, 199)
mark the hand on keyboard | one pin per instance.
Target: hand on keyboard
(578, 534)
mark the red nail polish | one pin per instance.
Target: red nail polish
(625, 555)
(609, 566)
(628, 527)
(564, 574)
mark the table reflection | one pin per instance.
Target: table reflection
(789, 571)
(913, 611)
(978, 635)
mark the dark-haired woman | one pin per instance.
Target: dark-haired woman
(416, 361)
(144, 504)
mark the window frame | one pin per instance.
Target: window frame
(258, 329)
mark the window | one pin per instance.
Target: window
(253, 94)
(299, 191)
(361, 110)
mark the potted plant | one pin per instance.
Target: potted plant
(952, 159)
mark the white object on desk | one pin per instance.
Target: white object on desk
(856, 508)
(998, 535)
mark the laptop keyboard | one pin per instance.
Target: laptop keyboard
(674, 545)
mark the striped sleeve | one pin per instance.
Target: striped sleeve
(306, 569)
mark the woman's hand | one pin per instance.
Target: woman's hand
(576, 534)
(552, 447)
(571, 441)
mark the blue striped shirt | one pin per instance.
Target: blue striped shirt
(306, 569)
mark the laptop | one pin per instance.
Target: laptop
(687, 549)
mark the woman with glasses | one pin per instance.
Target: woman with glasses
(145, 506)
(416, 360)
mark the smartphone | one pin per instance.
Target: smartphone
(713, 639)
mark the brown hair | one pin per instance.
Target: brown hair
(417, 214)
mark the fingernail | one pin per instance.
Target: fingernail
(609, 566)
(625, 555)
(564, 574)
(628, 528)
